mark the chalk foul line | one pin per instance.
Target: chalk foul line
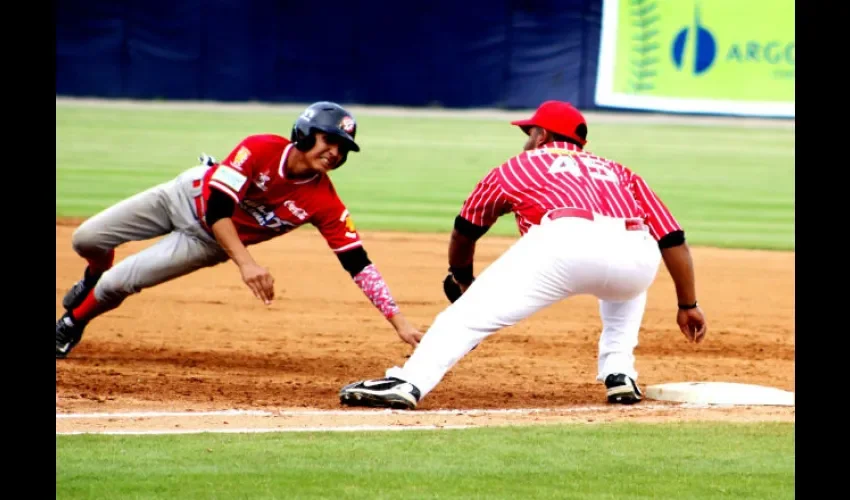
(300, 413)
(251, 430)
(358, 412)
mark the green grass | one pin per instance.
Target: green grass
(728, 186)
(612, 461)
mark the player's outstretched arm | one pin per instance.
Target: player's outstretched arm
(366, 275)
(676, 255)
(677, 259)
(218, 217)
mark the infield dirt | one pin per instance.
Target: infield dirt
(203, 342)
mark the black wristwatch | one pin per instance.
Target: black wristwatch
(688, 306)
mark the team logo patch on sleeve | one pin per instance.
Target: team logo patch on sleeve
(229, 177)
(241, 156)
(350, 230)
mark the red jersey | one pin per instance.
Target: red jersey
(561, 175)
(268, 204)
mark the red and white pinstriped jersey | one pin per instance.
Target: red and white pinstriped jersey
(561, 175)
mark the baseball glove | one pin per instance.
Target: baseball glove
(451, 288)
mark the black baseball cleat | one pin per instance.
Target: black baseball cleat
(68, 334)
(622, 389)
(381, 393)
(77, 294)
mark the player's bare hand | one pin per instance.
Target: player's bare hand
(410, 335)
(405, 330)
(259, 280)
(692, 324)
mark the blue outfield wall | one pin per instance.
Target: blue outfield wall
(476, 53)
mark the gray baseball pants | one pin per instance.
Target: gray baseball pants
(166, 209)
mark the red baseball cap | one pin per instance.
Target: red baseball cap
(558, 117)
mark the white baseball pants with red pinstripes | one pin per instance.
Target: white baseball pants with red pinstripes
(553, 261)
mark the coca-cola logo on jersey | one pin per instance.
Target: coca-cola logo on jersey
(296, 211)
(347, 124)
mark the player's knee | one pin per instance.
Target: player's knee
(83, 240)
(86, 242)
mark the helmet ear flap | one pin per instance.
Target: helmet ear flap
(342, 159)
(304, 142)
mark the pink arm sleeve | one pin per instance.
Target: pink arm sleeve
(372, 283)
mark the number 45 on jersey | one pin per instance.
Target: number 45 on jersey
(570, 164)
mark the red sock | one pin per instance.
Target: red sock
(101, 264)
(90, 309)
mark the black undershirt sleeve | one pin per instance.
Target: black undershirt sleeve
(354, 260)
(468, 229)
(219, 206)
(673, 239)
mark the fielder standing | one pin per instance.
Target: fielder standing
(266, 187)
(588, 225)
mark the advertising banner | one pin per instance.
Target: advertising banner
(698, 56)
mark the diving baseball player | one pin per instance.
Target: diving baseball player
(266, 187)
(588, 225)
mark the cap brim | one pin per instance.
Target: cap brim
(352, 146)
(525, 125)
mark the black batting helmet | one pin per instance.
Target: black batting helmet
(328, 117)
